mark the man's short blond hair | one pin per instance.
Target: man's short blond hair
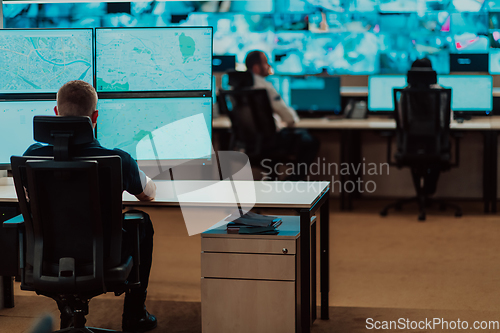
(76, 98)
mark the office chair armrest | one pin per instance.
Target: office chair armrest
(135, 218)
(389, 135)
(457, 136)
(15, 222)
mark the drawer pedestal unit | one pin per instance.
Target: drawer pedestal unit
(250, 283)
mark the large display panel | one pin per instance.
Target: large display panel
(17, 136)
(314, 94)
(469, 93)
(42, 60)
(153, 59)
(380, 91)
(157, 129)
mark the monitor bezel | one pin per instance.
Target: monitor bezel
(468, 113)
(156, 28)
(318, 113)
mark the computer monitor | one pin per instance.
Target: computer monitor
(315, 94)
(471, 94)
(380, 91)
(169, 131)
(154, 59)
(42, 60)
(17, 135)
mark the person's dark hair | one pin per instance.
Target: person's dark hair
(422, 63)
(253, 58)
(76, 98)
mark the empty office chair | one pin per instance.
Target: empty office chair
(253, 126)
(423, 142)
(71, 239)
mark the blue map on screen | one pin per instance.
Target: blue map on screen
(19, 115)
(41, 61)
(157, 128)
(153, 59)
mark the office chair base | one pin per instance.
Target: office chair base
(86, 330)
(423, 202)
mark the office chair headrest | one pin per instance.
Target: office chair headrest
(77, 129)
(421, 76)
(240, 79)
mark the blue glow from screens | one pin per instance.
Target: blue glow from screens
(18, 135)
(154, 59)
(157, 128)
(469, 92)
(380, 91)
(41, 61)
(366, 36)
(314, 93)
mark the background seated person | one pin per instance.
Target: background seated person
(292, 141)
(78, 98)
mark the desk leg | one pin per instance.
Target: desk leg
(8, 291)
(490, 165)
(494, 167)
(487, 170)
(314, 307)
(305, 271)
(324, 219)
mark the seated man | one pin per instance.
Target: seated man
(297, 142)
(78, 98)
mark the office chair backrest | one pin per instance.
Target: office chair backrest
(421, 77)
(251, 116)
(240, 80)
(72, 209)
(422, 123)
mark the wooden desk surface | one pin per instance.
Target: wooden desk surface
(373, 122)
(270, 194)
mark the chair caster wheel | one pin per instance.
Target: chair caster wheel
(383, 213)
(458, 214)
(421, 217)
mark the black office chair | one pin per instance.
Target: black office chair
(71, 247)
(423, 142)
(253, 126)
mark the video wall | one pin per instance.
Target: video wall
(154, 86)
(306, 36)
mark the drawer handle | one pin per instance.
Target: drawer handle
(285, 250)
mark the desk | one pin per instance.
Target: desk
(303, 198)
(351, 144)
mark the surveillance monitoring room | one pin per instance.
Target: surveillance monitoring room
(242, 166)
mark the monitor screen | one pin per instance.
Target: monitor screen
(152, 129)
(315, 94)
(42, 60)
(469, 92)
(18, 135)
(380, 91)
(154, 59)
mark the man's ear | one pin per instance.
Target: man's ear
(94, 116)
(55, 110)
